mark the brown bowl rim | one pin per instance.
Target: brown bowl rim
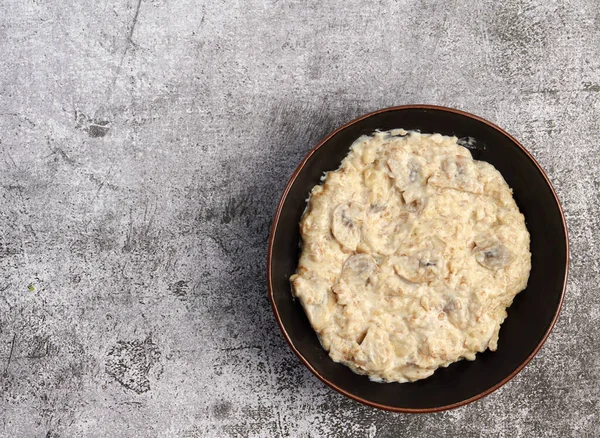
(276, 223)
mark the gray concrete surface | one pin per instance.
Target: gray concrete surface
(143, 148)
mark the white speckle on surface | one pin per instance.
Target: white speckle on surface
(144, 147)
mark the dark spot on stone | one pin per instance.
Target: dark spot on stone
(98, 129)
(8, 249)
(222, 410)
(14, 187)
(210, 214)
(39, 347)
(236, 207)
(129, 363)
(94, 127)
(58, 154)
(588, 86)
(515, 34)
(179, 288)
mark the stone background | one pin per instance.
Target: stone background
(144, 145)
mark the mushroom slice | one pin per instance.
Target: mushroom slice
(359, 276)
(376, 350)
(458, 172)
(359, 270)
(406, 169)
(423, 265)
(457, 312)
(346, 225)
(492, 254)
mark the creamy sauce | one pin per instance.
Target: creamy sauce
(412, 251)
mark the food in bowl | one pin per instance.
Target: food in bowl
(411, 253)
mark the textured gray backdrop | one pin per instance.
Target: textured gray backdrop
(143, 149)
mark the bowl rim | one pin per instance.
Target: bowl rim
(275, 224)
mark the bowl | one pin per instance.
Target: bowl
(532, 314)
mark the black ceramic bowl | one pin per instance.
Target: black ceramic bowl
(532, 314)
